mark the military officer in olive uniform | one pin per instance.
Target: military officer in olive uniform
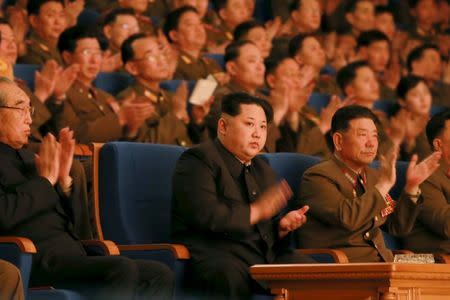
(93, 115)
(431, 233)
(47, 19)
(184, 29)
(349, 201)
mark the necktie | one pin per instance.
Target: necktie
(359, 186)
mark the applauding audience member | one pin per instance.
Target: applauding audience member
(349, 201)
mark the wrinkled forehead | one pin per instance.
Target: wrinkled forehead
(365, 124)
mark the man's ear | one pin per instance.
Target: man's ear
(33, 21)
(349, 90)
(222, 127)
(231, 68)
(107, 31)
(437, 144)
(67, 58)
(350, 18)
(337, 141)
(270, 79)
(173, 34)
(131, 68)
(223, 13)
(362, 53)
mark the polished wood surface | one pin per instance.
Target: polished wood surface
(368, 281)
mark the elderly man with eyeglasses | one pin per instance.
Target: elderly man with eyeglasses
(39, 201)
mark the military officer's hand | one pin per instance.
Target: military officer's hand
(199, 112)
(270, 202)
(67, 143)
(135, 115)
(48, 159)
(65, 80)
(417, 173)
(279, 98)
(327, 113)
(291, 221)
(45, 80)
(387, 175)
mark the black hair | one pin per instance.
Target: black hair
(347, 74)
(414, 3)
(111, 17)
(173, 19)
(296, 4)
(241, 31)
(233, 50)
(34, 6)
(366, 38)
(68, 39)
(231, 104)
(383, 9)
(219, 4)
(436, 125)
(351, 5)
(342, 117)
(126, 50)
(296, 43)
(406, 84)
(417, 53)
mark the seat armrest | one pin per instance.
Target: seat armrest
(442, 258)
(106, 247)
(338, 256)
(178, 251)
(24, 244)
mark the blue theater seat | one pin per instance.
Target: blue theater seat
(113, 82)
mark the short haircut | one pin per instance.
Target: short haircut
(436, 125)
(231, 104)
(4, 80)
(173, 19)
(127, 51)
(367, 38)
(414, 3)
(296, 4)
(406, 84)
(34, 6)
(296, 43)
(68, 39)
(347, 74)
(233, 50)
(342, 117)
(417, 54)
(273, 61)
(383, 9)
(351, 5)
(111, 17)
(219, 4)
(241, 31)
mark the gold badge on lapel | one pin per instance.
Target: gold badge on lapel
(186, 59)
(151, 96)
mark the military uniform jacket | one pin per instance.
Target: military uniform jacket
(308, 139)
(190, 68)
(431, 233)
(39, 51)
(211, 205)
(218, 33)
(340, 219)
(164, 127)
(88, 113)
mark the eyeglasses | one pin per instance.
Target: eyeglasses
(25, 110)
(90, 52)
(151, 57)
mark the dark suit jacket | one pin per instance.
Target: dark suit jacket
(31, 207)
(211, 211)
(431, 233)
(339, 219)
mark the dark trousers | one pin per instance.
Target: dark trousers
(10, 282)
(107, 277)
(225, 276)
